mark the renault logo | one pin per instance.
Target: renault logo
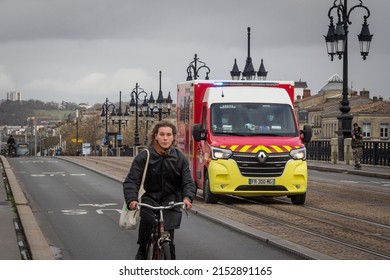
(262, 157)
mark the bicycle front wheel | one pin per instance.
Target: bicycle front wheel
(165, 253)
(150, 250)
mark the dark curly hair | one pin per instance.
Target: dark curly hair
(160, 124)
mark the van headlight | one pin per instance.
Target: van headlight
(298, 154)
(218, 153)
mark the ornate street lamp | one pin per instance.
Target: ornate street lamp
(135, 97)
(105, 115)
(77, 132)
(118, 117)
(249, 72)
(193, 69)
(337, 44)
(160, 101)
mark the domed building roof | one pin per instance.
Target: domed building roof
(335, 83)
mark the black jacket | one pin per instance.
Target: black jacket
(168, 177)
(11, 141)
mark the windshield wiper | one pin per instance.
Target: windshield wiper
(264, 134)
(231, 133)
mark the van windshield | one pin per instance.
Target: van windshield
(252, 119)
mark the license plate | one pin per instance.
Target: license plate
(261, 181)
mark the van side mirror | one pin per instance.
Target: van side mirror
(198, 133)
(306, 134)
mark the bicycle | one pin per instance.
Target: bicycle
(157, 247)
(11, 150)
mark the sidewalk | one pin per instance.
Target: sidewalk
(369, 171)
(9, 248)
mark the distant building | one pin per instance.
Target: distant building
(321, 111)
(301, 90)
(14, 96)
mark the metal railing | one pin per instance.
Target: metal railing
(374, 152)
(319, 150)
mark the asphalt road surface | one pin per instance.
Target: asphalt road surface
(78, 212)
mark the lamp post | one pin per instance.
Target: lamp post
(135, 94)
(193, 69)
(105, 115)
(77, 132)
(160, 101)
(337, 44)
(249, 72)
(118, 117)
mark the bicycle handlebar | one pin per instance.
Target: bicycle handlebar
(170, 206)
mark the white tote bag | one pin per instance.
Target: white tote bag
(129, 219)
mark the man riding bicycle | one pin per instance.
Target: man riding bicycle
(11, 144)
(168, 179)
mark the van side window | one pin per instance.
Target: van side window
(204, 118)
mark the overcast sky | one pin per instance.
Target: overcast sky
(87, 50)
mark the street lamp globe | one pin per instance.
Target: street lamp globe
(329, 39)
(235, 73)
(365, 40)
(340, 39)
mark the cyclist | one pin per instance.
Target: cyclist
(11, 144)
(168, 179)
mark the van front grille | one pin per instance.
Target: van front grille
(271, 166)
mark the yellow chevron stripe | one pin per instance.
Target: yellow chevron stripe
(233, 147)
(261, 147)
(270, 149)
(245, 148)
(277, 149)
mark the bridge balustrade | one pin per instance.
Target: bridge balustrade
(374, 152)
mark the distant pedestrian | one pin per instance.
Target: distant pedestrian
(357, 145)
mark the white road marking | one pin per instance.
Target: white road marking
(100, 211)
(78, 212)
(52, 174)
(74, 212)
(99, 205)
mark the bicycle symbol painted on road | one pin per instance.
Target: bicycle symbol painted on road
(100, 211)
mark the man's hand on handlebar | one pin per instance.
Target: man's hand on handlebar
(133, 205)
(187, 203)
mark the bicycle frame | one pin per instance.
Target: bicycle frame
(158, 245)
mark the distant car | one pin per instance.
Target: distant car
(22, 149)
